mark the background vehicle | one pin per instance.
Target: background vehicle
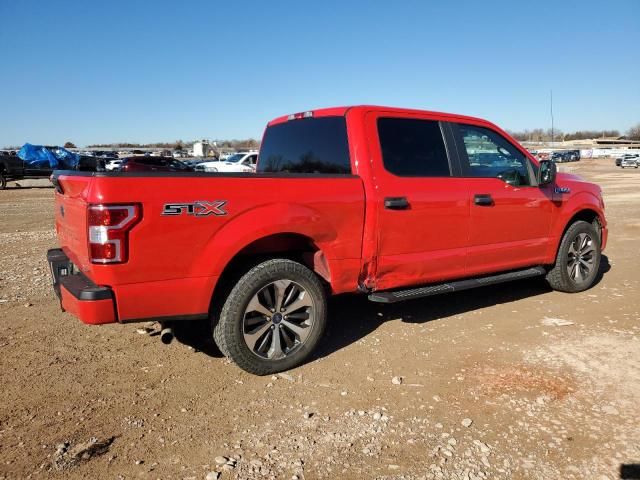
(566, 156)
(107, 154)
(630, 162)
(395, 203)
(91, 164)
(160, 164)
(626, 156)
(239, 162)
(111, 165)
(13, 168)
(194, 161)
(574, 155)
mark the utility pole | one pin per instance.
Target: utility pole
(551, 92)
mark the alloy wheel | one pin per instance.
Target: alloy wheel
(581, 258)
(278, 320)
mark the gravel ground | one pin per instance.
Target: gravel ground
(509, 381)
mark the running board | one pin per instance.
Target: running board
(457, 286)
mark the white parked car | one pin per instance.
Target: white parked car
(113, 165)
(239, 162)
(628, 161)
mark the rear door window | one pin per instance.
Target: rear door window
(308, 145)
(413, 147)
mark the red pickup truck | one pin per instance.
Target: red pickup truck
(394, 203)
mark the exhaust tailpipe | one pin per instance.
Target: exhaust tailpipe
(166, 335)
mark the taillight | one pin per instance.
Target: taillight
(109, 226)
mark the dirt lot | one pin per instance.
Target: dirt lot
(510, 381)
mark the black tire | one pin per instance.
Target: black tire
(229, 332)
(562, 277)
(3, 182)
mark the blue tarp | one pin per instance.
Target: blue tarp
(54, 157)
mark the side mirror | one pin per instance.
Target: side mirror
(547, 172)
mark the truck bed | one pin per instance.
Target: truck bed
(177, 253)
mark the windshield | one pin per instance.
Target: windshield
(235, 158)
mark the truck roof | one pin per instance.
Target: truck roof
(340, 111)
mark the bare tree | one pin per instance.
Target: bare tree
(69, 145)
(634, 132)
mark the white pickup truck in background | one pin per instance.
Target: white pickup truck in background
(243, 162)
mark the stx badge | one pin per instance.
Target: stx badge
(200, 208)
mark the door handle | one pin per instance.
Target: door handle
(483, 200)
(396, 203)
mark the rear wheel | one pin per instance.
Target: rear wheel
(3, 182)
(578, 259)
(273, 318)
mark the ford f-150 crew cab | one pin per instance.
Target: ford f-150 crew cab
(393, 203)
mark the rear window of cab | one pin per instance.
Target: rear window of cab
(307, 145)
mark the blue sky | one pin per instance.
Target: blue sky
(147, 71)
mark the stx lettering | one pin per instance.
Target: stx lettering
(197, 209)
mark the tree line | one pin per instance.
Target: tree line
(246, 144)
(542, 135)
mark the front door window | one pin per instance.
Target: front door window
(489, 155)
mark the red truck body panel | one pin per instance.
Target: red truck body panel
(175, 261)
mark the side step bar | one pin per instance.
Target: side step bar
(457, 286)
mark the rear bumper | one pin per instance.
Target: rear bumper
(91, 303)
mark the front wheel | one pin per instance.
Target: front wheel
(3, 182)
(578, 259)
(273, 318)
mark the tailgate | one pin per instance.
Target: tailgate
(71, 196)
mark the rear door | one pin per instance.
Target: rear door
(423, 207)
(510, 216)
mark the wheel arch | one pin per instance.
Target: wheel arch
(290, 245)
(586, 213)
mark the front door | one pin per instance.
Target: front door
(423, 209)
(510, 216)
